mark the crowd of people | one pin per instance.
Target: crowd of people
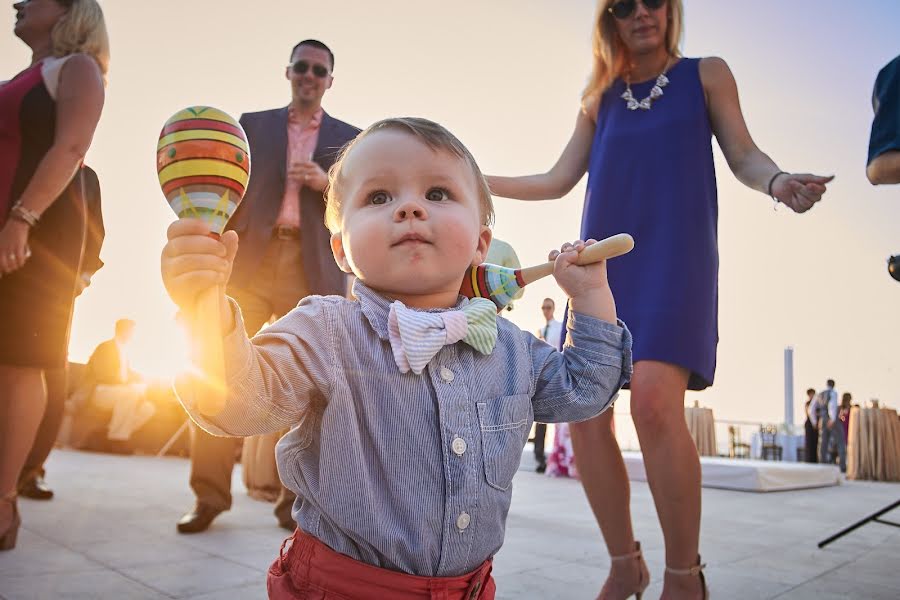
(827, 426)
(389, 394)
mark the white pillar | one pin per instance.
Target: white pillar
(789, 387)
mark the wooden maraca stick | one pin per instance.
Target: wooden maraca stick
(500, 284)
(203, 164)
(210, 389)
(610, 247)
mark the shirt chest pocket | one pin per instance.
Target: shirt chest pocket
(504, 429)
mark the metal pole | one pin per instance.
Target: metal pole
(872, 517)
(789, 388)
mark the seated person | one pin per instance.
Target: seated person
(110, 387)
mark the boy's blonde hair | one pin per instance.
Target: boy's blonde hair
(435, 136)
(82, 29)
(610, 54)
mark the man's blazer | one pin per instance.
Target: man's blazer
(255, 217)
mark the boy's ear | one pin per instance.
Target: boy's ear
(484, 242)
(337, 249)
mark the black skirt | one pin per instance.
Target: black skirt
(36, 301)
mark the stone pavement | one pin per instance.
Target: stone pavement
(110, 533)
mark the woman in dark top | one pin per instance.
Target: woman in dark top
(48, 114)
(811, 432)
(643, 135)
(844, 414)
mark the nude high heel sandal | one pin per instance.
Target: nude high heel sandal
(695, 571)
(8, 537)
(637, 555)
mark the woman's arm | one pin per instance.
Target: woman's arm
(749, 164)
(78, 104)
(560, 179)
(79, 101)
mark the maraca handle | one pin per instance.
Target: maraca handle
(211, 391)
(611, 247)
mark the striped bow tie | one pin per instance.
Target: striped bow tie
(417, 336)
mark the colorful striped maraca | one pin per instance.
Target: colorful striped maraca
(501, 284)
(203, 163)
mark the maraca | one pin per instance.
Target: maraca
(501, 284)
(203, 163)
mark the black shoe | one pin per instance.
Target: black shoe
(541, 467)
(198, 519)
(35, 488)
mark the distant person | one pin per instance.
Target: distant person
(811, 432)
(550, 333)
(284, 252)
(884, 141)
(111, 385)
(643, 135)
(830, 430)
(31, 479)
(502, 254)
(49, 113)
(844, 414)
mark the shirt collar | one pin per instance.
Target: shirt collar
(314, 121)
(377, 307)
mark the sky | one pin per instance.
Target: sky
(505, 76)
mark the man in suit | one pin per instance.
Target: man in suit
(830, 429)
(550, 333)
(284, 252)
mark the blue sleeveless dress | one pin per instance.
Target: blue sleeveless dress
(651, 174)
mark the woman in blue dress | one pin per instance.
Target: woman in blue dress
(643, 135)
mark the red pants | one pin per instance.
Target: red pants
(310, 570)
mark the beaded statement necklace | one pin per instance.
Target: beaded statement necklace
(655, 92)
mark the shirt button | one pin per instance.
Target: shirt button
(463, 520)
(459, 446)
(447, 374)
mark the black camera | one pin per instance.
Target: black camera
(894, 267)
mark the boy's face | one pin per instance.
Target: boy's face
(410, 222)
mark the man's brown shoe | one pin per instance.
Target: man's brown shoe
(35, 488)
(198, 519)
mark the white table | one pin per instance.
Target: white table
(789, 443)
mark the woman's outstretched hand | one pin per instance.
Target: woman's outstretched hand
(799, 191)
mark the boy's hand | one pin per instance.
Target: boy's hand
(193, 262)
(586, 285)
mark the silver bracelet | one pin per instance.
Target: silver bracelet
(27, 216)
(769, 188)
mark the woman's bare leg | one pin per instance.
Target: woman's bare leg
(672, 464)
(605, 482)
(25, 398)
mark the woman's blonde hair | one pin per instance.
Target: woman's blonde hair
(82, 29)
(433, 135)
(610, 54)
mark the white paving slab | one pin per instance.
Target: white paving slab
(110, 533)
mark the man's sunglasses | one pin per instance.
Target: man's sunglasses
(625, 8)
(301, 67)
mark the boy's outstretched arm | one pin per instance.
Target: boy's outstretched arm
(595, 363)
(270, 382)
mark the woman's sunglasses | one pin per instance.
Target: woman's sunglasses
(625, 8)
(301, 67)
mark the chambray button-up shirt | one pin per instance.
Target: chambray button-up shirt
(402, 471)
